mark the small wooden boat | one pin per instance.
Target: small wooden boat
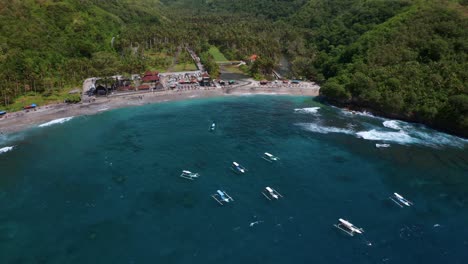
(400, 200)
(237, 168)
(222, 197)
(271, 194)
(189, 175)
(348, 228)
(268, 157)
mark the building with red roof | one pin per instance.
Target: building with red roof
(151, 76)
(253, 57)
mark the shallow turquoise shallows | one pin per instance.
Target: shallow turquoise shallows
(106, 188)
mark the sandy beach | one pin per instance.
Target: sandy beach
(21, 120)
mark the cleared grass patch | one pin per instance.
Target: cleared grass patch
(55, 96)
(234, 69)
(217, 55)
(185, 67)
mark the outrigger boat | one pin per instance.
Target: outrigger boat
(213, 126)
(189, 175)
(222, 197)
(268, 157)
(236, 167)
(271, 194)
(400, 200)
(348, 228)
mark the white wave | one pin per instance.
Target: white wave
(6, 149)
(308, 110)
(363, 113)
(56, 121)
(398, 137)
(426, 136)
(317, 128)
(393, 124)
(103, 109)
(439, 139)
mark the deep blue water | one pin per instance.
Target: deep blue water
(105, 188)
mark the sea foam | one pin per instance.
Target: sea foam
(393, 124)
(317, 128)
(425, 136)
(308, 110)
(56, 121)
(357, 113)
(6, 149)
(398, 137)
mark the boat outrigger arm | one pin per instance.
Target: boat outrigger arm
(222, 197)
(400, 200)
(271, 194)
(189, 175)
(268, 157)
(348, 228)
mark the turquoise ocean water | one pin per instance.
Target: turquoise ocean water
(105, 188)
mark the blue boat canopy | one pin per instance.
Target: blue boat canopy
(2, 112)
(33, 105)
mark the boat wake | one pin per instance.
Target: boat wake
(308, 110)
(6, 149)
(56, 121)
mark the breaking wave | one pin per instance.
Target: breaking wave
(6, 149)
(397, 137)
(56, 121)
(393, 124)
(423, 135)
(439, 139)
(317, 128)
(308, 110)
(407, 134)
(357, 113)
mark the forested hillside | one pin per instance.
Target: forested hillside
(413, 66)
(45, 45)
(401, 58)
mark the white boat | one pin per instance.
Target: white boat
(268, 157)
(189, 175)
(213, 126)
(222, 197)
(400, 200)
(236, 167)
(348, 228)
(382, 145)
(271, 194)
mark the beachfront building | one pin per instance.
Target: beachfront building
(205, 79)
(150, 80)
(150, 77)
(143, 87)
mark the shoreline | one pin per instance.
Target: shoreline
(22, 120)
